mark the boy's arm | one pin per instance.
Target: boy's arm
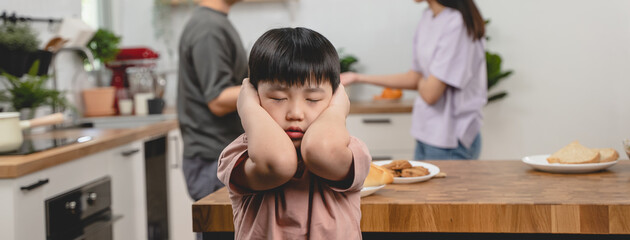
(272, 157)
(325, 144)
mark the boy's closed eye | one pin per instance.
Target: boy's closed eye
(278, 99)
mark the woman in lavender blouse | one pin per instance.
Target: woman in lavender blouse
(449, 73)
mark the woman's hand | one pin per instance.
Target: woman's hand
(247, 98)
(348, 78)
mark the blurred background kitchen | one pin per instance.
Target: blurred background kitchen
(569, 61)
(568, 57)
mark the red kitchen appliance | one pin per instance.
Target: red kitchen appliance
(140, 58)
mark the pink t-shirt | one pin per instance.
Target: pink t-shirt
(306, 207)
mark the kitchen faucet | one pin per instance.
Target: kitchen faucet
(82, 49)
(90, 58)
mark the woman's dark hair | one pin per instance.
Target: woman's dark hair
(293, 56)
(475, 25)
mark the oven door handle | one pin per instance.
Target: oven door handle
(107, 219)
(34, 185)
(97, 224)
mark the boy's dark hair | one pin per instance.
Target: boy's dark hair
(292, 56)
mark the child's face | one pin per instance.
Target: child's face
(294, 108)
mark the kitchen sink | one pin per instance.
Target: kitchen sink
(124, 121)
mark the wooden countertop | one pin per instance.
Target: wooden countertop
(381, 106)
(102, 139)
(480, 196)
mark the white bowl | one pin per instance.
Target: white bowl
(366, 191)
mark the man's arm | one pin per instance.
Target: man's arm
(325, 144)
(226, 101)
(272, 157)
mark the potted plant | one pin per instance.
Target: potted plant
(17, 42)
(495, 73)
(30, 92)
(104, 45)
(346, 61)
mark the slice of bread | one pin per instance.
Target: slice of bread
(607, 154)
(378, 176)
(574, 153)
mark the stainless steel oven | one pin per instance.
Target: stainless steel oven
(83, 213)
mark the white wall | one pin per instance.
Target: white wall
(570, 60)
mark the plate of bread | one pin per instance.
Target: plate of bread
(574, 158)
(376, 179)
(405, 171)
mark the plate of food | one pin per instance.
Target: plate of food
(405, 171)
(366, 191)
(574, 158)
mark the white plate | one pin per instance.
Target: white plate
(540, 162)
(433, 170)
(366, 191)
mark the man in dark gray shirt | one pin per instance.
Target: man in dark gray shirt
(212, 65)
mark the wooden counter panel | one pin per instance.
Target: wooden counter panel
(383, 106)
(483, 197)
(14, 166)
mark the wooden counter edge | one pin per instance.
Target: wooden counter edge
(19, 166)
(453, 217)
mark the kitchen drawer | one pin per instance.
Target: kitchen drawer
(382, 132)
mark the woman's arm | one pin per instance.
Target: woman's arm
(272, 157)
(431, 89)
(325, 144)
(408, 80)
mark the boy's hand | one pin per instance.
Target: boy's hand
(247, 98)
(340, 100)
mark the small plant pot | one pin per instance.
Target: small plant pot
(14, 62)
(44, 57)
(99, 101)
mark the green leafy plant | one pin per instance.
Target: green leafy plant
(104, 45)
(346, 61)
(495, 73)
(18, 37)
(30, 91)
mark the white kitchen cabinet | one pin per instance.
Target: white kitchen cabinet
(129, 191)
(179, 202)
(385, 134)
(23, 211)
